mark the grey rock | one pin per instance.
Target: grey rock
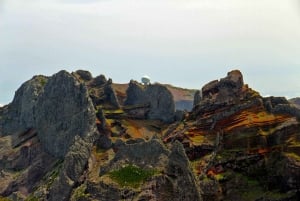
(197, 98)
(179, 115)
(159, 98)
(178, 168)
(102, 92)
(74, 165)
(84, 75)
(98, 81)
(20, 114)
(63, 111)
(142, 153)
(174, 182)
(271, 102)
(227, 90)
(280, 105)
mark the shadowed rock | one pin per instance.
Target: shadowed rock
(21, 113)
(197, 98)
(157, 96)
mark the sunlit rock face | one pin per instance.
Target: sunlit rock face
(63, 111)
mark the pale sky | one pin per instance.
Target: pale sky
(186, 43)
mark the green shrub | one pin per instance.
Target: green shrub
(131, 175)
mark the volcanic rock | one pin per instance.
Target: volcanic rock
(20, 114)
(174, 173)
(158, 97)
(197, 98)
(63, 111)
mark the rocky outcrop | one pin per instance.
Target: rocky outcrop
(100, 89)
(197, 98)
(74, 165)
(20, 114)
(173, 180)
(242, 146)
(157, 96)
(227, 90)
(63, 111)
(295, 101)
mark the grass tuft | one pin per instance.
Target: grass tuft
(131, 176)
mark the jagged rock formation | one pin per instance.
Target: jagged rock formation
(157, 97)
(74, 165)
(43, 119)
(183, 98)
(64, 110)
(197, 98)
(67, 137)
(235, 132)
(295, 101)
(20, 114)
(100, 89)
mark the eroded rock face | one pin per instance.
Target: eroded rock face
(20, 114)
(226, 90)
(197, 98)
(100, 89)
(158, 97)
(63, 111)
(74, 165)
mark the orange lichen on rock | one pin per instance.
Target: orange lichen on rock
(250, 118)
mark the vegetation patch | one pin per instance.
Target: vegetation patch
(131, 175)
(4, 199)
(80, 193)
(32, 198)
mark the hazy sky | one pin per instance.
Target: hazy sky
(182, 42)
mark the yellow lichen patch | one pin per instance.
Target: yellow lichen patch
(293, 156)
(142, 128)
(132, 128)
(197, 139)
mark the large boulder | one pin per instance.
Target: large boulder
(227, 90)
(157, 97)
(63, 111)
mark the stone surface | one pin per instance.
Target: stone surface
(197, 98)
(233, 145)
(174, 180)
(63, 110)
(20, 114)
(226, 90)
(74, 165)
(157, 96)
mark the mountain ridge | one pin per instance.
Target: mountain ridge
(64, 136)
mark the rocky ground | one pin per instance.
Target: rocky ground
(73, 136)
